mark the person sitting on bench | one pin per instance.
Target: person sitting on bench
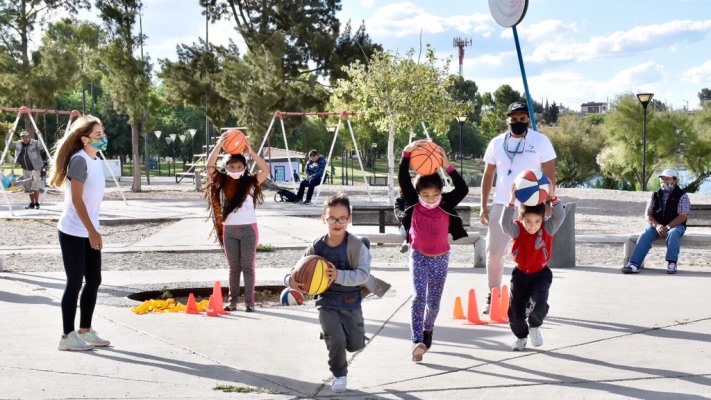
(314, 172)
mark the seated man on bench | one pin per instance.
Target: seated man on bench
(667, 212)
(314, 172)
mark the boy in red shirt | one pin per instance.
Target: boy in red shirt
(531, 278)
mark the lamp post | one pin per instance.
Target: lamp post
(372, 157)
(158, 133)
(170, 139)
(461, 121)
(192, 133)
(644, 98)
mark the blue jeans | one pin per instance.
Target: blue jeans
(650, 235)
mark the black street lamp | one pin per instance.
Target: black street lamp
(644, 98)
(461, 121)
(372, 157)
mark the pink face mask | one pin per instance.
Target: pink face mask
(430, 206)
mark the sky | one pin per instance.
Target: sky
(573, 51)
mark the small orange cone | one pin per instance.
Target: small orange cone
(495, 310)
(458, 310)
(191, 307)
(211, 309)
(473, 310)
(504, 304)
(219, 301)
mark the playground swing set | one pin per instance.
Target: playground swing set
(10, 139)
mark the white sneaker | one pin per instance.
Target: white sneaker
(73, 343)
(535, 335)
(519, 344)
(418, 350)
(92, 337)
(338, 384)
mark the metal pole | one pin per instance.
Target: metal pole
(147, 158)
(525, 82)
(644, 149)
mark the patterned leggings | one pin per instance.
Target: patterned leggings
(428, 277)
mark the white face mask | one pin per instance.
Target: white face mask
(235, 175)
(430, 206)
(667, 186)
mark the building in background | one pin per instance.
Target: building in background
(593, 108)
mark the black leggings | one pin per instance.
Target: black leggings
(80, 262)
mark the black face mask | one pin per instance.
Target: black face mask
(518, 128)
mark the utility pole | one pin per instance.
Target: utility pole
(461, 44)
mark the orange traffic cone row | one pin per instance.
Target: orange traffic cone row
(458, 310)
(212, 310)
(191, 307)
(504, 304)
(219, 301)
(473, 310)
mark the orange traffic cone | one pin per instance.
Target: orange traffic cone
(473, 310)
(504, 304)
(495, 310)
(212, 311)
(191, 307)
(219, 301)
(458, 311)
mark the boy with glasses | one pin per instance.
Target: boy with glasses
(506, 156)
(339, 307)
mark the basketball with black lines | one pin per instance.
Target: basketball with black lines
(235, 142)
(426, 159)
(312, 272)
(531, 187)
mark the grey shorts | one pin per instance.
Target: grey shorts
(31, 180)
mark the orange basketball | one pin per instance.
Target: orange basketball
(426, 159)
(234, 142)
(312, 272)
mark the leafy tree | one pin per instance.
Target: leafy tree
(306, 30)
(19, 80)
(127, 78)
(396, 93)
(467, 91)
(577, 142)
(351, 47)
(704, 97)
(494, 120)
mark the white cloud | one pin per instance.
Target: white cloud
(642, 74)
(367, 3)
(635, 40)
(405, 18)
(541, 31)
(699, 75)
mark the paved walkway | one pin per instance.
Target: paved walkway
(608, 335)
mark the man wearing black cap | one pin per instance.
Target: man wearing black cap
(27, 156)
(507, 155)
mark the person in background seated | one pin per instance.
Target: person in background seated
(314, 172)
(667, 212)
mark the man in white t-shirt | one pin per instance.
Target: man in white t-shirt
(506, 156)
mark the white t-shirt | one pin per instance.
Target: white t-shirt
(94, 185)
(533, 151)
(244, 215)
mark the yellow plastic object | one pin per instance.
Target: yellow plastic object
(167, 305)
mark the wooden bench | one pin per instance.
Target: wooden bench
(382, 215)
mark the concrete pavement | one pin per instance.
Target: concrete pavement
(607, 336)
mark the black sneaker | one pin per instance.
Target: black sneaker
(427, 338)
(249, 309)
(36, 206)
(487, 306)
(306, 203)
(30, 207)
(230, 307)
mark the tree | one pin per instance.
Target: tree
(19, 83)
(704, 97)
(494, 120)
(397, 94)
(577, 142)
(127, 78)
(467, 91)
(350, 48)
(305, 29)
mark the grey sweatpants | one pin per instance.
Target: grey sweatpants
(240, 242)
(342, 330)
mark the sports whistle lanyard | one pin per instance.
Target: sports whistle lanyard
(520, 146)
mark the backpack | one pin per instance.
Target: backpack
(285, 196)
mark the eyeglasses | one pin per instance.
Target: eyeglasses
(342, 220)
(523, 118)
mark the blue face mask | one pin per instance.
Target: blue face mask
(100, 144)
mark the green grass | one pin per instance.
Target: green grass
(265, 248)
(243, 389)
(166, 169)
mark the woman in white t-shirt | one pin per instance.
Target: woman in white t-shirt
(233, 193)
(78, 169)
